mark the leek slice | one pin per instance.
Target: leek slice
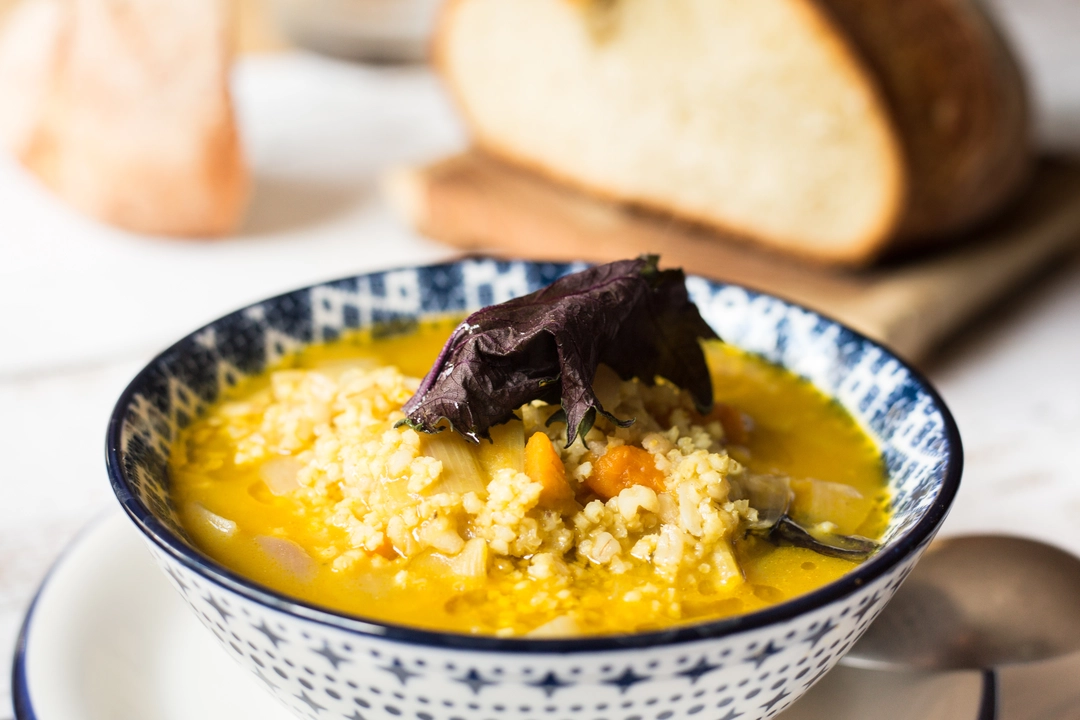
(506, 449)
(472, 561)
(818, 501)
(461, 471)
(210, 524)
(280, 474)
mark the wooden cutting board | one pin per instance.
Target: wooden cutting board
(481, 205)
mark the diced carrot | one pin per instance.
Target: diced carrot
(543, 465)
(621, 467)
(736, 424)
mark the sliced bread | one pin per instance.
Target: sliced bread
(833, 129)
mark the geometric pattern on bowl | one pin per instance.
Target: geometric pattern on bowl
(326, 665)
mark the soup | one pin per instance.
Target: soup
(300, 481)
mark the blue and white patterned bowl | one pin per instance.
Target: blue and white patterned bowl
(326, 665)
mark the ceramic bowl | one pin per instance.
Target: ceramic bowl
(326, 665)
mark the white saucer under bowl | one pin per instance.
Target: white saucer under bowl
(108, 639)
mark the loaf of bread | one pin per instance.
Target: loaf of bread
(839, 130)
(123, 109)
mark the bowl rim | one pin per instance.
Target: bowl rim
(209, 569)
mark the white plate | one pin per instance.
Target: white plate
(108, 639)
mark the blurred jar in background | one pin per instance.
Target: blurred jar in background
(373, 30)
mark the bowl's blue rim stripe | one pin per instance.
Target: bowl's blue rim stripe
(20, 686)
(872, 569)
(20, 689)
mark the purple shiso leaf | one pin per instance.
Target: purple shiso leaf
(546, 346)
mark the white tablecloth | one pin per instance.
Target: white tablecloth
(83, 306)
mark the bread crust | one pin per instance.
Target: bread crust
(952, 168)
(846, 57)
(959, 101)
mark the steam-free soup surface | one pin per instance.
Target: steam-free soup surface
(300, 481)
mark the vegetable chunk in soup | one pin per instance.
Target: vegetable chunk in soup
(304, 480)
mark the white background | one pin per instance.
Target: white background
(83, 306)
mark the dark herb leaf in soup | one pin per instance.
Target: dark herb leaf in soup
(629, 315)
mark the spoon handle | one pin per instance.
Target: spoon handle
(988, 702)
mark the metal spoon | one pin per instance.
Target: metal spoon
(978, 603)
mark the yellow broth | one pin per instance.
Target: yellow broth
(796, 431)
